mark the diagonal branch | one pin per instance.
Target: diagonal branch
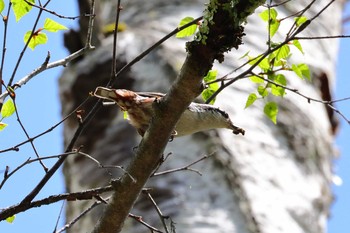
(83, 195)
(221, 33)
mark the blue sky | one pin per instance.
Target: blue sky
(44, 111)
(339, 220)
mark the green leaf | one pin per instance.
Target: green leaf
(2, 126)
(211, 76)
(278, 90)
(300, 20)
(256, 79)
(251, 99)
(282, 52)
(207, 93)
(125, 115)
(266, 15)
(262, 90)
(53, 26)
(37, 38)
(189, 31)
(274, 25)
(212, 87)
(271, 111)
(297, 71)
(297, 44)
(2, 5)
(302, 70)
(270, 16)
(21, 8)
(264, 64)
(245, 55)
(8, 108)
(11, 219)
(305, 70)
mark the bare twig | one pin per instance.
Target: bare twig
(294, 29)
(321, 37)
(147, 51)
(59, 216)
(16, 147)
(5, 20)
(279, 4)
(115, 34)
(139, 219)
(8, 174)
(184, 168)
(100, 165)
(28, 137)
(340, 113)
(52, 12)
(82, 214)
(159, 212)
(47, 66)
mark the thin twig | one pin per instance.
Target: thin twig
(28, 161)
(308, 98)
(280, 3)
(159, 212)
(46, 66)
(51, 12)
(59, 216)
(16, 147)
(115, 36)
(25, 48)
(294, 29)
(147, 51)
(82, 214)
(184, 168)
(267, 52)
(320, 37)
(100, 165)
(28, 137)
(139, 219)
(5, 20)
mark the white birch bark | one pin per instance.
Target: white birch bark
(274, 179)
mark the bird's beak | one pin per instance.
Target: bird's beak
(105, 93)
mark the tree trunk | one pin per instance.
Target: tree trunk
(276, 178)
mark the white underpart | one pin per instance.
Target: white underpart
(196, 119)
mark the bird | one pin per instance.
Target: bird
(139, 107)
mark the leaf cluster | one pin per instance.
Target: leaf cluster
(20, 9)
(271, 79)
(31, 39)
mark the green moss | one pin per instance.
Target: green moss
(221, 28)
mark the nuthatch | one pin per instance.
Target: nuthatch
(197, 117)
